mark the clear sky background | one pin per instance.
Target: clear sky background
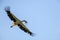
(43, 18)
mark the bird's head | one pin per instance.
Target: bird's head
(7, 9)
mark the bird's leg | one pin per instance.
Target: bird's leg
(24, 21)
(11, 26)
(14, 24)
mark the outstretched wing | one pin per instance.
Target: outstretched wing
(23, 27)
(10, 15)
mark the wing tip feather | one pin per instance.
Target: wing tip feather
(7, 8)
(31, 34)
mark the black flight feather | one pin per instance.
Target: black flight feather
(25, 30)
(9, 14)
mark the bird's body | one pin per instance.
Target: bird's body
(17, 21)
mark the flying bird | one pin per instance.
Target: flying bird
(17, 22)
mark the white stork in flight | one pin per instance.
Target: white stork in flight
(17, 22)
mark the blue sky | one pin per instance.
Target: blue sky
(43, 18)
